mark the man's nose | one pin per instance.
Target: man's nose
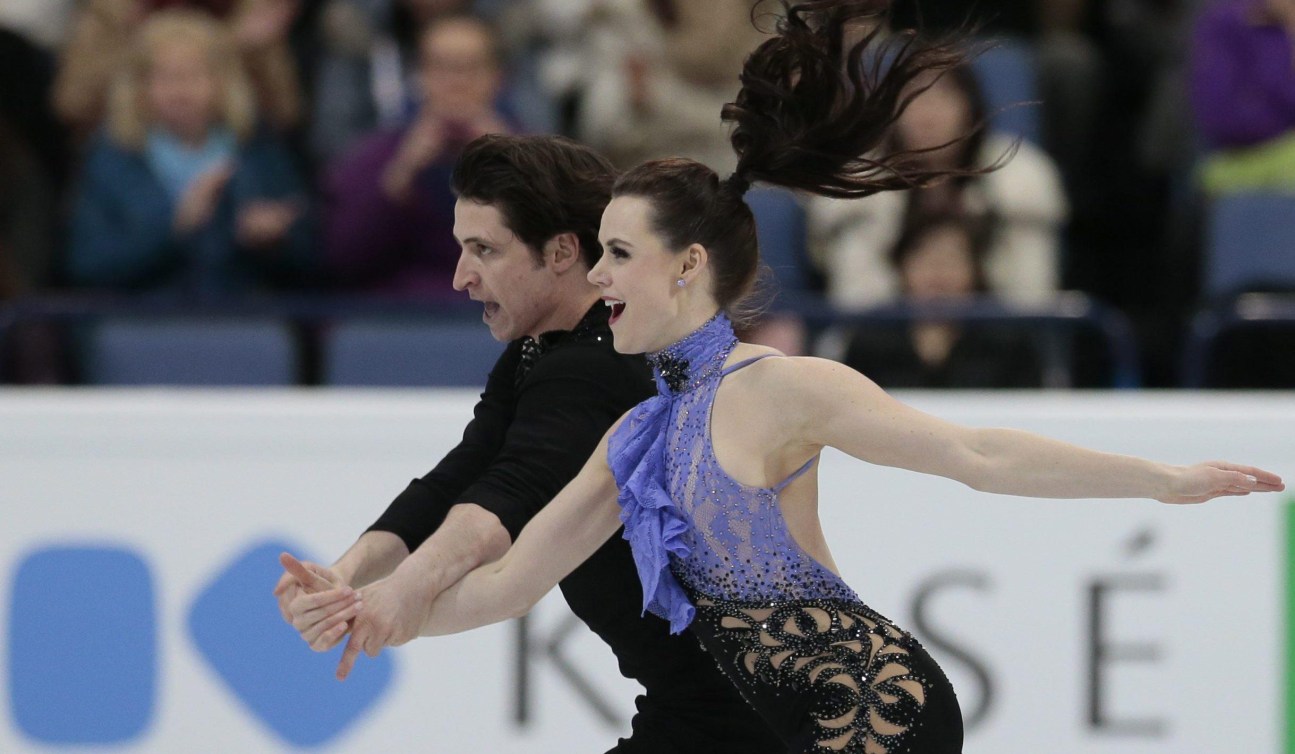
(464, 274)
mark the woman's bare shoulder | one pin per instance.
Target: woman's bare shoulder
(785, 372)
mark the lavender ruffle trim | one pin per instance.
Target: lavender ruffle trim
(654, 525)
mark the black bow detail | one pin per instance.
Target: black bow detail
(673, 370)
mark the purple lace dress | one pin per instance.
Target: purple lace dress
(715, 557)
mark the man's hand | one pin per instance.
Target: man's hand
(316, 601)
(393, 612)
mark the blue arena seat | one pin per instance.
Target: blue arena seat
(1250, 244)
(408, 353)
(189, 351)
(780, 228)
(1008, 77)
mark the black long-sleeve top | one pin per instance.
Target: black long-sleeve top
(531, 433)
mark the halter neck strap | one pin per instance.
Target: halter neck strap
(745, 363)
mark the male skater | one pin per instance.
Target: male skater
(527, 220)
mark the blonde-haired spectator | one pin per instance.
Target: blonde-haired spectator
(183, 191)
(180, 57)
(100, 42)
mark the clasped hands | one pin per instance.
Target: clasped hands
(319, 604)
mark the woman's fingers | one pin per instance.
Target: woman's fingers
(1264, 479)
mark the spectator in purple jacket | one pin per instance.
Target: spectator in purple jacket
(1243, 93)
(390, 212)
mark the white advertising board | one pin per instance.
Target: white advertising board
(135, 609)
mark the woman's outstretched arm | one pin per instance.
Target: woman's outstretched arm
(837, 406)
(561, 537)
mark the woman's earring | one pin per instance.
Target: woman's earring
(680, 282)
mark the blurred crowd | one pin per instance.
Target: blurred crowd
(200, 150)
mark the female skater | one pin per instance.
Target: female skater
(709, 478)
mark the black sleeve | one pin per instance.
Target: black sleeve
(564, 408)
(422, 507)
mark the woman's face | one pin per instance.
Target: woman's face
(181, 90)
(940, 265)
(638, 277)
(937, 116)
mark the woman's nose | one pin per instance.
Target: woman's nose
(596, 275)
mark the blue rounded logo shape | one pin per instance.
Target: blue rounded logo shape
(82, 645)
(237, 628)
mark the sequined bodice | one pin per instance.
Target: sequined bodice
(686, 519)
(739, 545)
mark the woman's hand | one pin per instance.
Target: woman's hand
(1206, 481)
(394, 610)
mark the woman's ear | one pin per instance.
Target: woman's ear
(695, 259)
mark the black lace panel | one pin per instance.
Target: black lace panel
(866, 692)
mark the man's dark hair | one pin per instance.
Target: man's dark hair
(542, 185)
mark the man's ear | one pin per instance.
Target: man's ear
(561, 252)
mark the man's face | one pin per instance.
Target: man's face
(459, 74)
(500, 271)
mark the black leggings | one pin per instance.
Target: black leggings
(699, 720)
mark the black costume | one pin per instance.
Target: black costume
(546, 406)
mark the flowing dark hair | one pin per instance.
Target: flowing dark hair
(815, 113)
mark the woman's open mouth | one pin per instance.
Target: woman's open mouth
(617, 307)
